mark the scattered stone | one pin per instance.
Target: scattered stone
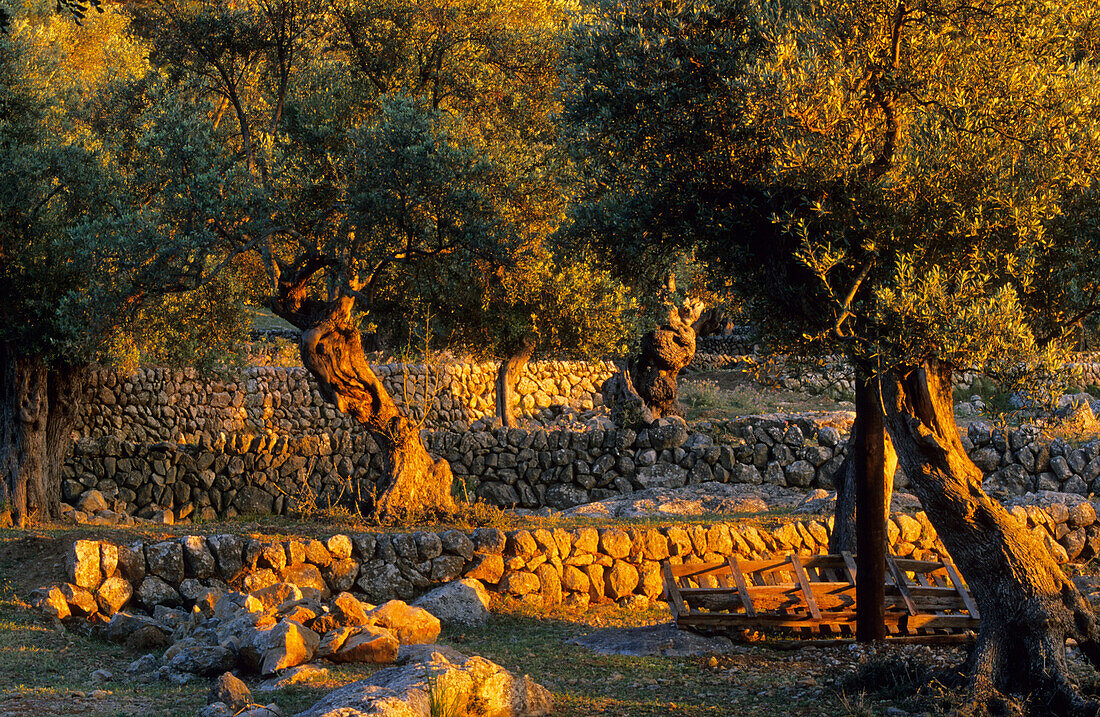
(480, 688)
(368, 643)
(231, 692)
(411, 625)
(461, 602)
(293, 676)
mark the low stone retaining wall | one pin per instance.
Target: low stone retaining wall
(159, 404)
(545, 566)
(243, 473)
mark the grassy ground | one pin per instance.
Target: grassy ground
(715, 395)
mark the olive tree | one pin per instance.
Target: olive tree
(895, 182)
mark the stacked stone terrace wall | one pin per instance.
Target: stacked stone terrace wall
(545, 567)
(159, 404)
(244, 473)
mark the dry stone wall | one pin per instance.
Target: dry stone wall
(160, 404)
(244, 473)
(544, 566)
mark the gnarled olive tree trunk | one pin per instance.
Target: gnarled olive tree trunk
(1028, 606)
(38, 406)
(507, 376)
(332, 351)
(665, 351)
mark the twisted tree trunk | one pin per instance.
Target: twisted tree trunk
(507, 376)
(665, 351)
(332, 351)
(38, 406)
(1028, 606)
(23, 410)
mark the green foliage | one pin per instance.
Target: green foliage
(896, 183)
(659, 129)
(407, 146)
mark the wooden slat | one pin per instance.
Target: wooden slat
(804, 582)
(960, 586)
(849, 566)
(675, 600)
(901, 583)
(742, 587)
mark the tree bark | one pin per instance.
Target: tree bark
(507, 376)
(23, 411)
(665, 351)
(869, 458)
(332, 351)
(843, 536)
(64, 390)
(1028, 606)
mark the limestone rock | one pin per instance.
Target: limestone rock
(286, 645)
(81, 602)
(480, 688)
(348, 611)
(113, 594)
(82, 564)
(92, 501)
(487, 567)
(275, 595)
(293, 676)
(308, 579)
(165, 561)
(154, 591)
(367, 643)
(191, 656)
(229, 690)
(198, 560)
(51, 602)
(462, 602)
(411, 625)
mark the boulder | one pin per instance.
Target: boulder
(367, 643)
(113, 594)
(348, 611)
(154, 591)
(196, 658)
(165, 561)
(474, 686)
(411, 625)
(340, 574)
(230, 691)
(487, 567)
(92, 501)
(308, 579)
(81, 602)
(82, 564)
(275, 595)
(51, 602)
(198, 560)
(286, 645)
(461, 602)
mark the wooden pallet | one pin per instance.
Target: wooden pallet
(815, 596)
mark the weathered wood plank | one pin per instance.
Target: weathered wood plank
(742, 587)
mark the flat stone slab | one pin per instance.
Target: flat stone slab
(653, 640)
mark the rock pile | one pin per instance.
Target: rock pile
(272, 630)
(453, 683)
